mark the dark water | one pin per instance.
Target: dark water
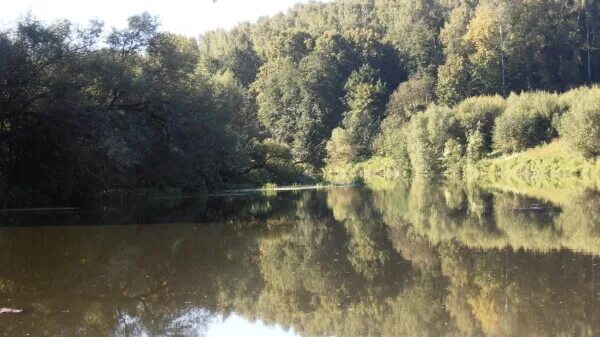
(401, 261)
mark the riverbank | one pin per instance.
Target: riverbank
(549, 165)
(375, 167)
(552, 165)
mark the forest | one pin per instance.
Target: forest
(431, 86)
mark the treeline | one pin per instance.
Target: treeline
(88, 109)
(82, 111)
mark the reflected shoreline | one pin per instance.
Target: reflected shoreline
(409, 259)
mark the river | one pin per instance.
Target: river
(399, 259)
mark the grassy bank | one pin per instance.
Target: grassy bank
(546, 167)
(549, 165)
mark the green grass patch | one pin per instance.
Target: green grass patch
(552, 166)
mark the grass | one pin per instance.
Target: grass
(549, 162)
(551, 171)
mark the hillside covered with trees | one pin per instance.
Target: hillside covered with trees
(427, 84)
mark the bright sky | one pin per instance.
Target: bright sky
(187, 17)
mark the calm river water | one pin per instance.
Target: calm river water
(403, 260)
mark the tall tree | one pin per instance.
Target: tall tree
(364, 97)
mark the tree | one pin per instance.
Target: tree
(527, 121)
(222, 51)
(427, 137)
(454, 82)
(339, 148)
(412, 28)
(299, 102)
(580, 126)
(364, 98)
(485, 35)
(476, 147)
(411, 97)
(392, 141)
(278, 96)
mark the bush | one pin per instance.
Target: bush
(392, 142)
(529, 120)
(476, 147)
(453, 158)
(571, 97)
(273, 162)
(339, 149)
(412, 96)
(427, 137)
(580, 127)
(479, 114)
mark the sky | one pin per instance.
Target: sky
(186, 17)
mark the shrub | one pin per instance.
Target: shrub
(273, 161)
(476, 147)
(421, 151)
(479, 114)
(453, 158)
(412, 96)
(392, 142)
(580, 126)
(339, 148)
(427, 137)
(571, 97)
(529, 120)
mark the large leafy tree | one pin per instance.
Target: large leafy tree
(365, 93)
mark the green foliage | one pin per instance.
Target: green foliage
(293, 44)
(79, 117)
(427, 139)
(269, 189)
(412, 96)
(412, 27)
(480, 113)
(278, 96)
(364, 97)
(232, 51)
(271, 161)
(453, 158)
(339, 148)
(550, 166)
(453, 80)
(392, 142)
(476, 146)
(83, 109)
(528, 121)
(445, 140)
(580, 126)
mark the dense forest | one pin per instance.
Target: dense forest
(429, 83)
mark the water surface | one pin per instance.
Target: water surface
(404, 260)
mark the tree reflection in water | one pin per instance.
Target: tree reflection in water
(407, 260)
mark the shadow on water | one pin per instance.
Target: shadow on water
(402, 259)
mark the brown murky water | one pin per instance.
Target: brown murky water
(407, 260)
